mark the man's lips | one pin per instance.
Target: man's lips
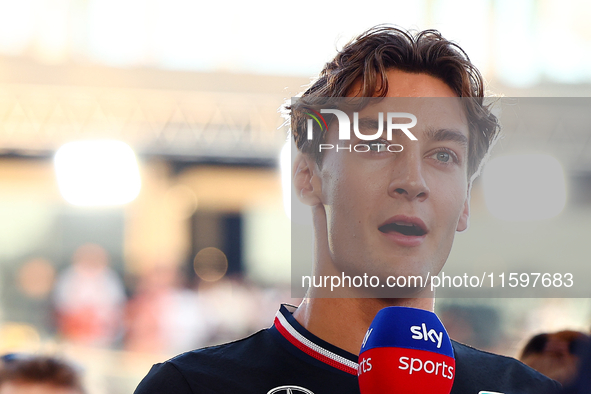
(404, 225)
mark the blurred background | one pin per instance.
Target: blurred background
(119, 258)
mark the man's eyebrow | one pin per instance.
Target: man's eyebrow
(432, 134)
(373, 124)
(447, 135)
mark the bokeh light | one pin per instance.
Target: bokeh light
(36, 277)
(97, 173)
(210, 264)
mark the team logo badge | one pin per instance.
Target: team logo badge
(289, 390)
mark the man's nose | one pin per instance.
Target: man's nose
(407, 177)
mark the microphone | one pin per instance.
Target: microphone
(406, 351)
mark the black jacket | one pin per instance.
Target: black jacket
(287, 358)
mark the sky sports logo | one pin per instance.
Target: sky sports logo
(406, 348)
(362, 129)
(416, 362)
(421, 333)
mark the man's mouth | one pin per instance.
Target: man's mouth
(412, 227)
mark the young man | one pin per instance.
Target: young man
(374, 211)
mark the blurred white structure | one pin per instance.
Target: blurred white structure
(96, 173)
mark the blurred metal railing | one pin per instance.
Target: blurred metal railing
(37, 119)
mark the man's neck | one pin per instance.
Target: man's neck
(343, 322)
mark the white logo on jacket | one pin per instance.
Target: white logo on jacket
(289, 390)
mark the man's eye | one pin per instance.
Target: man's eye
(443, 156)
(377, 146)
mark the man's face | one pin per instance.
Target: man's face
(397, 213)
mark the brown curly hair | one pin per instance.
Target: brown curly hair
(366, 60)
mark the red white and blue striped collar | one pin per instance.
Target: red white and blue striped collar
(310, 344)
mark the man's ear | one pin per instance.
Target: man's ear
(305, 179)
(465, 215)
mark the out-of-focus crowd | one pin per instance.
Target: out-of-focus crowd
(88, 303)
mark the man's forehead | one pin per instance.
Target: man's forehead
(429, 98)
(407, 84)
